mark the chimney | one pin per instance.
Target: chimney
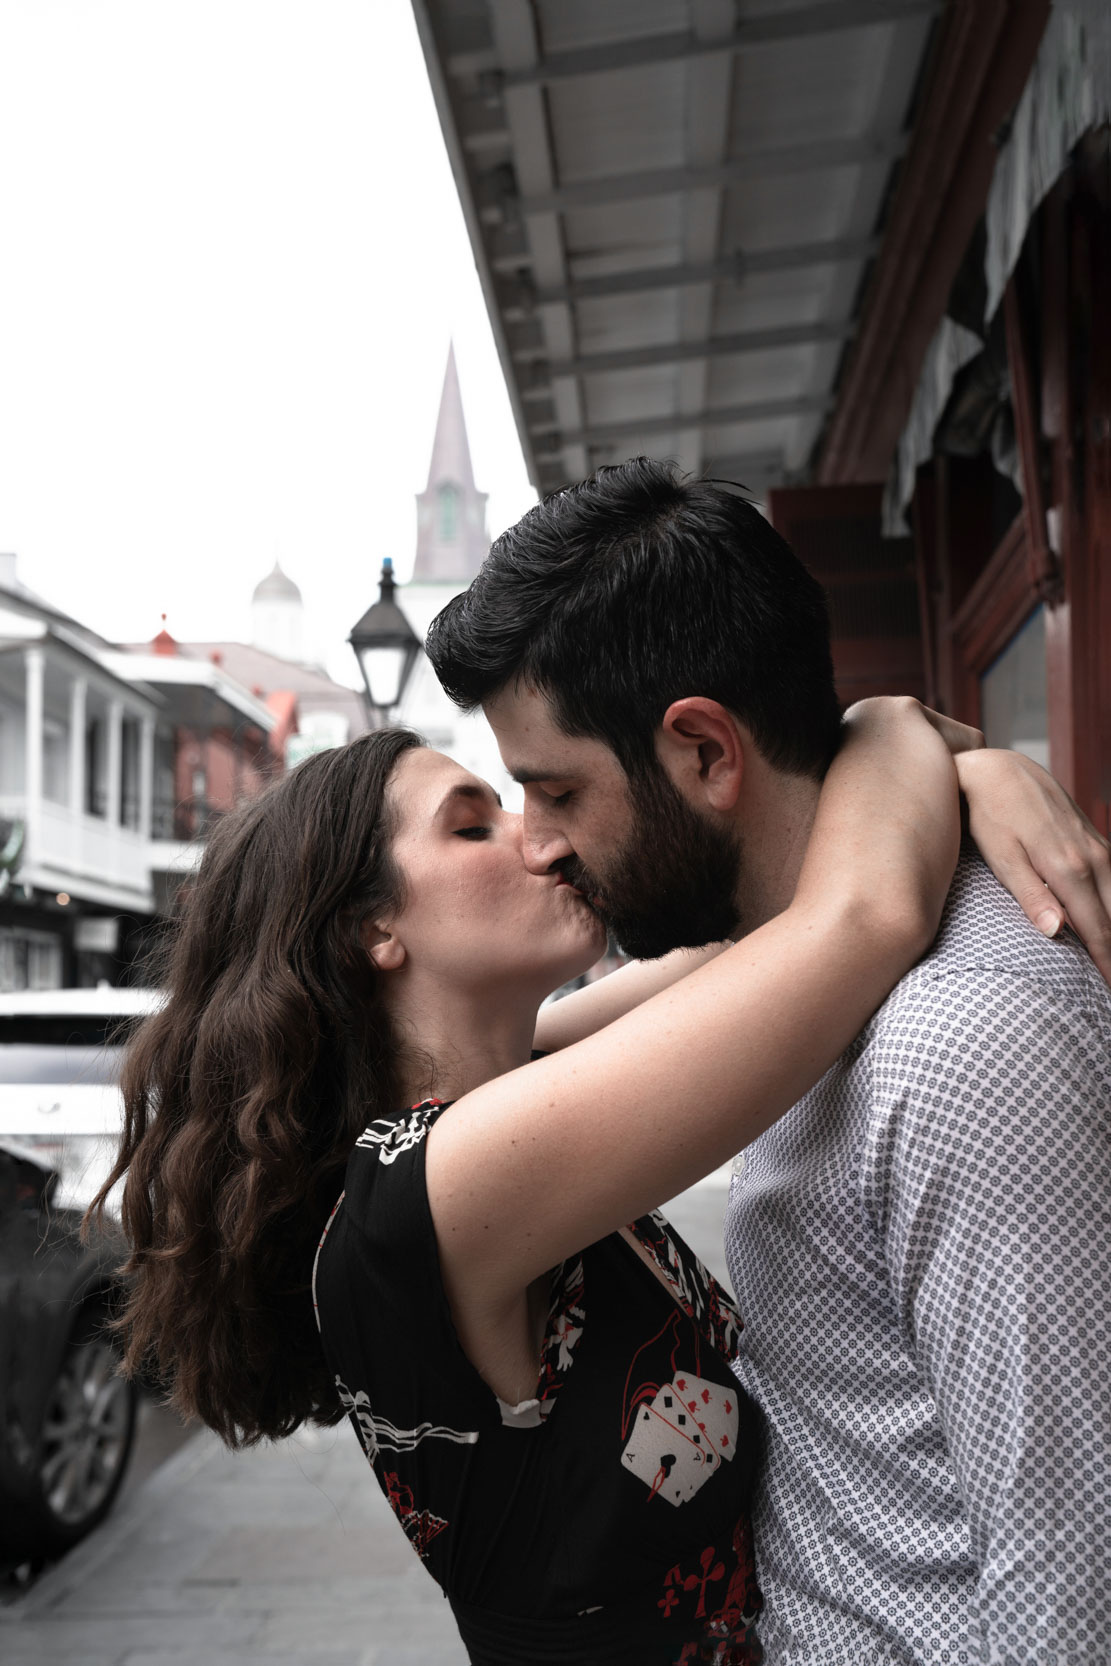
(164, 643)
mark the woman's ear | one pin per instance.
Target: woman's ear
(385, 950)
(701, 747)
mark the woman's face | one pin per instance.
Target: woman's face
(473, 913)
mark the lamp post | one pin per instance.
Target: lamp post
(386, 647)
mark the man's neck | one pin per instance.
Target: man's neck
(776, 816)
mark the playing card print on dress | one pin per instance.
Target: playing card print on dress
(682, 1437)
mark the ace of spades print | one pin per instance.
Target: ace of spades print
(680, 1431)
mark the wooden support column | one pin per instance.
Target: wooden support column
(1058, 407)
(115, 760)
(1092, 603)
(78, 698)
(1045, 576)
(34, 669)
(146, 776)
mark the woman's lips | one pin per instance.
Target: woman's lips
(594, 902)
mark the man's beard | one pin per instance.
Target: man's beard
(672, 885)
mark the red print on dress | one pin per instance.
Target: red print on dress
(727, 1638)
(421, 1526)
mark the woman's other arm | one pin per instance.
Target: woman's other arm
(576, 1016)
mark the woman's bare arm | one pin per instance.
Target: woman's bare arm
(588, 1010)
(525, 1170)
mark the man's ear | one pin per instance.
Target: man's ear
(385, 950)
(701, 747)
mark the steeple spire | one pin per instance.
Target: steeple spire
(451, 513)
(451, 455)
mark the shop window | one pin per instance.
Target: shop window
(30, 960)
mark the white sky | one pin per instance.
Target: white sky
(233, 258)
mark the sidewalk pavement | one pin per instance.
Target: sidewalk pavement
(287, 1555)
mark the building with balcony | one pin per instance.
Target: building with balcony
(113, 767)
(77, 764)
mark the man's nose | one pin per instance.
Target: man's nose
(543, 847)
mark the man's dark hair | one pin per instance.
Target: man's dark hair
(639, 587)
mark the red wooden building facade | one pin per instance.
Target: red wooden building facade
(995, 604)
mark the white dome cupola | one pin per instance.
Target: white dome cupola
(278, 617)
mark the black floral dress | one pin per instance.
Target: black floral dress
(601, 1522)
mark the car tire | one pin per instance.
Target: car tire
(87, 1436)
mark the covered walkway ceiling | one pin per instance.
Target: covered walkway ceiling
(673, 205)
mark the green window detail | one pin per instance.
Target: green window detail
(449, 513)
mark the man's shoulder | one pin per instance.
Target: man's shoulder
(985, 937)
(991, 989)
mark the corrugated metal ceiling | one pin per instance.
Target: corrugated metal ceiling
(674, 204)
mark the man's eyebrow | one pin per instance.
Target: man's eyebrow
(468, 789)
(526, 777)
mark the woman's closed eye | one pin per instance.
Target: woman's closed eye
(476, 832)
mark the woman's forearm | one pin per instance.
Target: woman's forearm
(591, 1009)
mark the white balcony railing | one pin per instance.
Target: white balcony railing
(65, 847)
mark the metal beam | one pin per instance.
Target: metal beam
(732, 269)
(753, 472)
(754, 164)
(765, 410)
(673, 352)
(803, 21)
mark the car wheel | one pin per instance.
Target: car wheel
(87, 1436)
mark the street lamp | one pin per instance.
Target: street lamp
(386, 646)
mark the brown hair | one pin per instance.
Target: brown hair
(245, 1094)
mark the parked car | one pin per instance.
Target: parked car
(68, 1419)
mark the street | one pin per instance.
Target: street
(287, 1554)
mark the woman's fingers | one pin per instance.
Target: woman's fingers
(1040, 845)
(1079, 878)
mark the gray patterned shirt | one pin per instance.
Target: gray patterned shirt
(920, 1254)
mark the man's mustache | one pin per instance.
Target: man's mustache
(574, 873)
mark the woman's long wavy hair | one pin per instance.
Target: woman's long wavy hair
(244, 1096)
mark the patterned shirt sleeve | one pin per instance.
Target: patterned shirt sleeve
(987, 1175)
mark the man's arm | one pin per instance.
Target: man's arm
(990, 1182)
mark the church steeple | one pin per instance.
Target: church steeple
(451, 513)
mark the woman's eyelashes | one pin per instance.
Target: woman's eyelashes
(476, 832)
